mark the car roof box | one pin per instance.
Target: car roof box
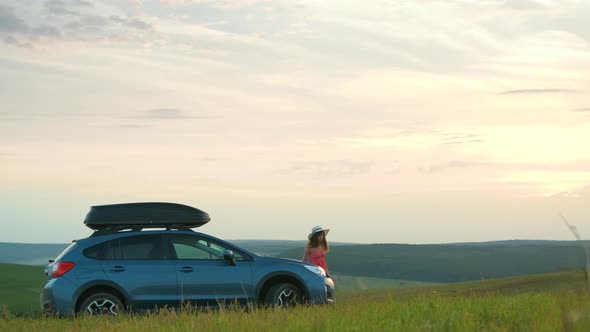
(144, 215)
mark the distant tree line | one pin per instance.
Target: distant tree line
(449, 263)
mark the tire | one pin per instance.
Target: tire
(283, 295)
(101, 304)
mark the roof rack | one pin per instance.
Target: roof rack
(137, 216)
(136, 228)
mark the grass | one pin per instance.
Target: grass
(345, 283)
(546, 302)
(529, 311)
(547, 282)
(20, 286)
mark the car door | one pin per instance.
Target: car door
(205, 277)
(142, 266)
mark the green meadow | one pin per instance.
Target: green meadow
(567, 311)
(20, 287)
(543, 302)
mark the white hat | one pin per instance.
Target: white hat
(318, 229)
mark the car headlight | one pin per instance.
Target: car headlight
(316, 269)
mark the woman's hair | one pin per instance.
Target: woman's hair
(314, 242)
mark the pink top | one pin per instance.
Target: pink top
(317, 257)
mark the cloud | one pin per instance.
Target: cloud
(573, 167)
(132, 23)
(13, 116)
(81, 3)
(332, 169)
(452, 164)
(568, 168)
(413, 139)
(222, 4)
(128, 126)
(71, 21)
(524, 4)
(582, 192)
(166, 114)
(58, 8)
(92, 26)
(459, 138)
(93, 23)
(9, 22)
(45, 31)
(536, 91)
(18, 42)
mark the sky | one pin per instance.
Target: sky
(385, 121)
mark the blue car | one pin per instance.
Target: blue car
(144, 256)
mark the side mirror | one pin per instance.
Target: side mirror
(228, 255)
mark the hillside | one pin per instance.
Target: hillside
(535, 283)
(426, 263)
(29, 253)
(449, 263)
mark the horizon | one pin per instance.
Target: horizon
(346, 243)
(386, 121)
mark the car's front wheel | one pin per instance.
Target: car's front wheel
(283, 295)
(101, 304)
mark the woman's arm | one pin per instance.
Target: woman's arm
(306, 253)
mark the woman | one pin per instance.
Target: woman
(317, 247)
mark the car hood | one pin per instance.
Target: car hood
(281, 260)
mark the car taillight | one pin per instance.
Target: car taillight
(61, 268)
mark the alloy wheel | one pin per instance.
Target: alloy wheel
(102, 307)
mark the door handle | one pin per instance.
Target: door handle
(186, 269)
(118, 268)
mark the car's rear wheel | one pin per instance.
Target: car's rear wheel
(283, 295)
(101, 304)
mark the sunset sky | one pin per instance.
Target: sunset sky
(385, 121)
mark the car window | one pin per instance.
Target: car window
(94, 252)
(142, 247)
(66, 250)
(184, 251)
(136, 248)
(195, 247)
